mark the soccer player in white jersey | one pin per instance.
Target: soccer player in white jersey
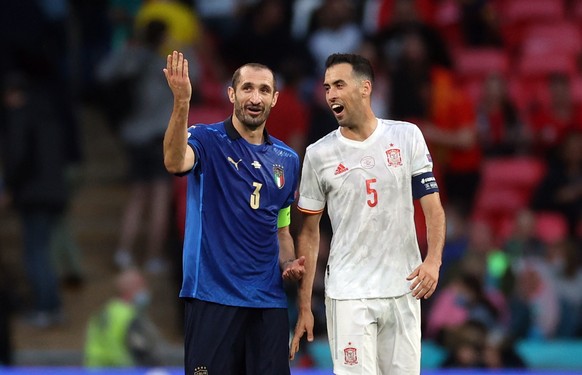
(368, 172)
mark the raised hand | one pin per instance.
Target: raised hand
(176, 72)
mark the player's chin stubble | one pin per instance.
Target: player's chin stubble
(250, 122)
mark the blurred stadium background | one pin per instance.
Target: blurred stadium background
(504, 79)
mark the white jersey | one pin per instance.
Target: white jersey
(368, 189)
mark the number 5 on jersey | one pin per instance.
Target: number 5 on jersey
(373, 200)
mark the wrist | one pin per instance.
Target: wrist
(434, 260)
(284, 264)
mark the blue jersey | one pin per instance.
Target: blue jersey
(235, 192)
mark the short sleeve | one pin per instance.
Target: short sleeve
(421, 158)
(196, 136)
(311, 196)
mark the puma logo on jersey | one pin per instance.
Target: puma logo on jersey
(340, 169)
(235, 163)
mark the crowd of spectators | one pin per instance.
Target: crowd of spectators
(491, 84)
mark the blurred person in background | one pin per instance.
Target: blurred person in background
(465, 346)
(34, 165)
(121, 14)
(501, 353)
(554, 120)
(464, 299)
(458, 237)
(564, 260)
(219, 17)
(333, 27)
(533, 302)
(390, 38)
(523, 240)
(480, 23)
(184, 31)
(7, 300)
(475, 285)
(560, 190)
(121, 334)
(263, 35)
(141, 130)
(426, 93)
(290, 121)
(500, 130)
(43, 52)
(473, 345)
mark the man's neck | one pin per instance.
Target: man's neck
(360, 132)
(252, 136)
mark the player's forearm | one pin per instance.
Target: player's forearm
(286, 247)
(308, 246)
(435, 231)
(176, 138)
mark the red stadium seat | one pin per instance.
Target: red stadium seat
(539, 65)
(480, 62)
(506, 187)
(576, 10)
(530, 81)
(551, 227)
(513, 172)
(515, 11)
(473, 65)
(561, 37)
(516, 15)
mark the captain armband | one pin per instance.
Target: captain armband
(284, 218)
(424, 184)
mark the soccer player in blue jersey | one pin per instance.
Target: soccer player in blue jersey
(237, 246)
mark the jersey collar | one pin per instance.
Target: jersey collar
(234, 134)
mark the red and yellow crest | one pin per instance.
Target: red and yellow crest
(350, 355)
(393, 157)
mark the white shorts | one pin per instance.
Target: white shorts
(374, 336)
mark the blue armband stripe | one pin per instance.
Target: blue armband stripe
(424, 184)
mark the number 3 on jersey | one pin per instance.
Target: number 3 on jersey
(256, 195)
(373, 200)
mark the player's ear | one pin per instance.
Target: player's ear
(231, 94)
(366, 88)
(275, 97)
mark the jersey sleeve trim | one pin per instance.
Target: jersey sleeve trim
(309, 212)
(196, 159)
(309, 204)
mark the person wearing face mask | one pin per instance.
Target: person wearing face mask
(121, 334)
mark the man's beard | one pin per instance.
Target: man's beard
(250, 122)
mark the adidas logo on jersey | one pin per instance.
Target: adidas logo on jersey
(340, 169)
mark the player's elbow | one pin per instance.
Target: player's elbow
(172, 165)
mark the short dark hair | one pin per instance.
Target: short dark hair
(360, 64)
(236, 75)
